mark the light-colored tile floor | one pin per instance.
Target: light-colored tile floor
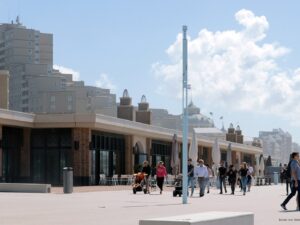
(101, 205)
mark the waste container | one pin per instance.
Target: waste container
(68, 180)
(275, 178)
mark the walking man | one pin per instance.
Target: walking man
(295, 178)
(191, 179)
(222, 177)
(201, 173)
(243, 176)
(249, 176)
(232, 178)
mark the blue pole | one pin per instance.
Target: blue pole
(185, 116)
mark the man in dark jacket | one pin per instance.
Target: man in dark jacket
(191, 179)
(232, 178)
(222, 177)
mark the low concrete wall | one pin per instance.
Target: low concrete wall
(27, 188)
(207, 218)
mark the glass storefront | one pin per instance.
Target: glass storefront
(108, 155)
(203, 154)
(12, 141)
(161, 151)
(247, 158)
(51, 151)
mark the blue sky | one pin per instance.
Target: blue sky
(117, 43)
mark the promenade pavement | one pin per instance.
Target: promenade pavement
(118, 206)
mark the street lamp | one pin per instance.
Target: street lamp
(185, 87)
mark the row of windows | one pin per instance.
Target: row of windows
(106, 142)
(161, 148)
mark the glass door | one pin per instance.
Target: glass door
(52, 167)
(104, 163)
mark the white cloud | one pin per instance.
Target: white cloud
(234, 69)
(105, 82)
(62, 69)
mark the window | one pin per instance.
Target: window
(52, 107)
(69, 98)
(69, 107)
(52, 99)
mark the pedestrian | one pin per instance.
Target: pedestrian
(232, 175)
(249, 176)
(201, 173)
(286, 174)
(222, 177)
(209, 178)
(243, 174)
(147, 172)
(295, 178)
(191, 179)
(161, 173)
(282, 173)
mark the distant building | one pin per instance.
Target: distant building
(277, 144)
(161, 117)
(235, 135)
(35, 86)
(295, 147)
(4, 89)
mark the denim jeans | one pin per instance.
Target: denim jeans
(207, 181)
(293, 193)
(244, 183)
(191, 183)
(202, 185)
(222, 183)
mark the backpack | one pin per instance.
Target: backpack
(288, 171)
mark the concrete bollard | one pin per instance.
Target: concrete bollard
(68, 180)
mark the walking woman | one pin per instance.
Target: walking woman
(161, 173)
(243, 173)
(209, 178)
(232, 178)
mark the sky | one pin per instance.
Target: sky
(243, 55)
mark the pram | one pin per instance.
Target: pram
(139, 183)
(178, 186)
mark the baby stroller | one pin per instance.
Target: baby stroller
(152, 184)
(178, 186)
(139, 183)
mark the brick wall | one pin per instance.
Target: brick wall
(128, 154)
(81, 156)
(25, 155)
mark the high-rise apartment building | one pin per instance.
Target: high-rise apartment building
(4, 89)
(24, 53)
(35, 86)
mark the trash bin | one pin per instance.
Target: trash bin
(275, 178)
(68, 180)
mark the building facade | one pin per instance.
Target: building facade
(4, 89)
(36, 147)
(35, 86)
(277, 144)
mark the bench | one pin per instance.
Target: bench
(207, 218)
(25, 187)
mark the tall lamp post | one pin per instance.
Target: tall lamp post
(185, 88)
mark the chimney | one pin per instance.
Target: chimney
(126, 109)
(4, 89)
(231, 136)
(239, 136)
(143, 114)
